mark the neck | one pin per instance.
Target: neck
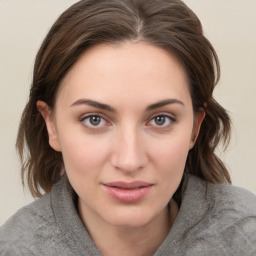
(138, 241)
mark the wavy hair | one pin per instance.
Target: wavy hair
(168, 24)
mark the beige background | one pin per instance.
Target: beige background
(229, 24)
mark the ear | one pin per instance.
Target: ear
(47, 114)
(198, 119)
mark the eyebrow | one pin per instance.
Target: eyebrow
(93, 103)
(163, 103)
(103, 106)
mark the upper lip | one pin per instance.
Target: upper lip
(128, 185)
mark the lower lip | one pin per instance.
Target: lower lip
(128, 195)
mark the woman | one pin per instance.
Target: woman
(120, 130)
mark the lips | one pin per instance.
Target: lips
(131, 192)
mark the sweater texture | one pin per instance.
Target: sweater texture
(213, 220)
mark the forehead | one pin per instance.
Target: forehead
(131, 71)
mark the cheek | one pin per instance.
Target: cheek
(171, 151)
(169, 159)
(82, 154)
(84, 162)
(171, 162)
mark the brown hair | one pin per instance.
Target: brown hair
(168, 24)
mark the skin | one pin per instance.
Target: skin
(126, 141)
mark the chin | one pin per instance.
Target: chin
(131, 217)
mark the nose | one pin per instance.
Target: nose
(129, 152)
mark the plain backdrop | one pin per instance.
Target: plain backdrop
(229, 24)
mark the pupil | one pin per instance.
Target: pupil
(95, 120)
(160, 120)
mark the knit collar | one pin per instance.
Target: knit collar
(64, 202)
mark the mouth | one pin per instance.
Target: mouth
(131, 192)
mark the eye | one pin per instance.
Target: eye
(161, 121)
(94, 121)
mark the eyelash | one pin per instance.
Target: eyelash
(91, 126)
(107, 123)
(170, 122)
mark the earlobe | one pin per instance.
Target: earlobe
(46, 112)
(199, 117)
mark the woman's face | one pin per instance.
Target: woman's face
(124, 123)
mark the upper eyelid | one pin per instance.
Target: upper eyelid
(172, 116)
(93, 114)
(91, 127)
(85, 116)
(107, 119)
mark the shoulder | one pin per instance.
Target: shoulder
(29, 225)
(33, 230)
(229, 222)
(236, 202)
(225, 198)
(30, 218)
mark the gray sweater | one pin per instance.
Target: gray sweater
(213, 220)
